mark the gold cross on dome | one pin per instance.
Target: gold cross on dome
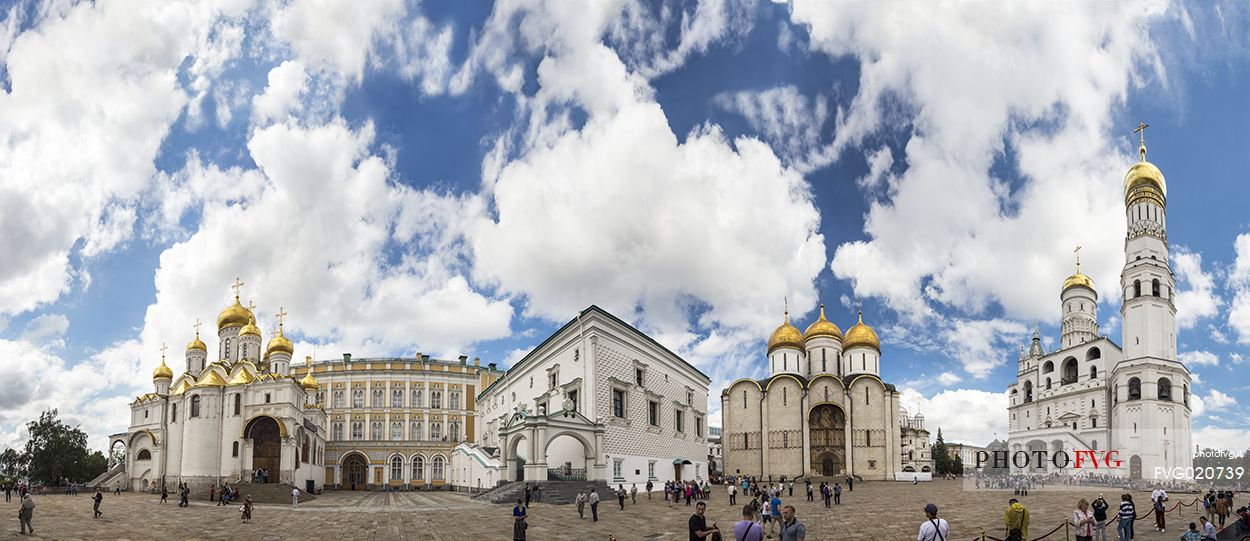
(1078, 257)
(251, 306)
(197, 327)
(1141, 137)
(163, 348)
(281, 316)
(236, 285)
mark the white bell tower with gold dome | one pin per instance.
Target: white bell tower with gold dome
(1079, 302)
(1150, 413)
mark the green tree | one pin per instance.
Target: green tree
(12, 464)
(57, 452)
(941, 455)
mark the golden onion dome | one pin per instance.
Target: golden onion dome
(210, 379)
(822, 327)
(235, 315)
(163, 371)
(309, 382)
(197, 343)
(786, 336)
(1078, 279)
(861, 335)
(250, 329)
(1143, 179)
(279, 344)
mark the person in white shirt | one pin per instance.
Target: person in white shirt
(933, 528)
(1156, 500)
(1208, 529)
(294, 498)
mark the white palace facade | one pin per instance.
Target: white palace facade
(598, 401)
(1094, 394)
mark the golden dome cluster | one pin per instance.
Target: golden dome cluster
(787, 335)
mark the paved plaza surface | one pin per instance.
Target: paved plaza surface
(876, 510)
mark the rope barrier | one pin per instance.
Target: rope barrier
(1057, 528)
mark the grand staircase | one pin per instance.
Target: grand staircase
(554, 492)
(279, 493)
(109, 478)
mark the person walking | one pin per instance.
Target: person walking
(933, 528)
(8, 493)
(164, 494)
(1156, 500)
(1083, 520)
(791, 528)
(518, 521)
(246, 508)
(95, 506)
(186, 496)
(294, 498)
(698, 524)
(633, 493)
(528, 493)
(809, 490)
(1016, 520)
(212, 491)
(620, 495)
(225, 491)
(826, 493)
(850, 483)
(1099, 508)
(689, 493)
(1221, 507)
(733, 494)
(837, 494)
(748, 529)
(594, 504)
(649, 487)
(790, 486)
(581, 503)
(774, 507)
(1127, 513)
(25, 513)
(1208, 530)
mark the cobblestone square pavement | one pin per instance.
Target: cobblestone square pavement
(872, 511)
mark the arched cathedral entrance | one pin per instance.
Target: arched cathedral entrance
(354, 469)
(827, 431)
(266, 438)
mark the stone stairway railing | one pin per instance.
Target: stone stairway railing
(106, 479)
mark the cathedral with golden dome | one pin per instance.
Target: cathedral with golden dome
(219, 421)
(1091, 393)
(823, 410)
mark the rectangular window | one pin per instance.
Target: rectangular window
(638, 376)
(651, 470)
(689, 398)
(698, 426)
(455, 400)
(145, 414)
(416, 430)
(616, 469)
(618, 402)
(338, 431)
(377, 398)
(268, 398)
(338, 399)
(653, 413)
(375, 431)
(552, 380)
(173, 413)
(436, 399)
(680, 421)
(358, 398)
(238, 402)
(418, 400)
(573, 399)
(397, 430)
(397, 398)
(358, 430)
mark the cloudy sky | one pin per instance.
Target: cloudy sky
(459, 178)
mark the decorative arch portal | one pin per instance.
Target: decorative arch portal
(354, 467)
(117, 452)
(827, 434)
(266, 436)
(538, 447)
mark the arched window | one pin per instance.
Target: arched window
(453, 430)
(303, 455)
(238, 403)
(1154, 287)
(436, 431)
(1073, 425)
(1070, 370)
(358, 430)
(1093, 353)
(195, 406)
(418, 468)
(1047, 384)
(234, 449)
(1048, 367)
(1136, 288)
(1165, 389)
(436, 399)
(144, 454)
(1185, 390)
(1028, 391)
(173, 413)
(436, 468)
(397, 430)
(418, 399)
(416, 430)
(455, 400)
(1134, 389)
(397, 468)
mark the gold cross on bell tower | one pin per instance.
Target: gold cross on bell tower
(1141, 137)
(197, 327)
(235, 286)
(281, 317)
(1077, 251)
(163, 348)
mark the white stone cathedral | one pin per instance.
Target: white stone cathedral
(1092, 394)
(219, 421)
